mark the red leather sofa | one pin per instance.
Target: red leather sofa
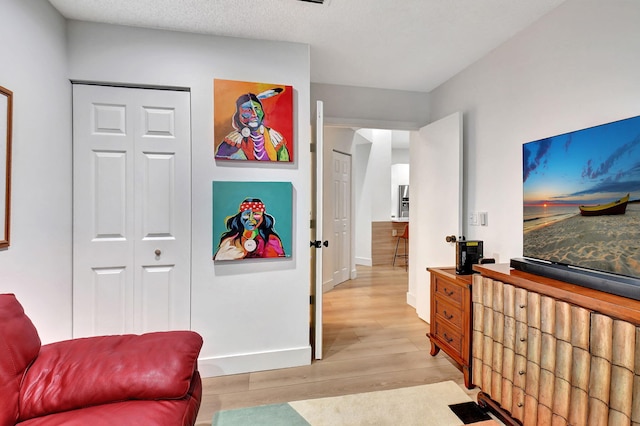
(149, 379)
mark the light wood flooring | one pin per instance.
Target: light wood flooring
(373, 340)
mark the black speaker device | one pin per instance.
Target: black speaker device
(468, 253)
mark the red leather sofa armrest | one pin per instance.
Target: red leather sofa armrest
(19, 346)
(97, 370)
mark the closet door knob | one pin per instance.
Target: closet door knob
(158, 252)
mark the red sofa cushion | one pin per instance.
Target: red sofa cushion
(148, 413)
(99, 370)
(19, 345)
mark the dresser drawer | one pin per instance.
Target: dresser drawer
(448, 290)
(447, 334)
(450, 317)
(449, 312)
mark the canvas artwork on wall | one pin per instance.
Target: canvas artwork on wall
(252, 220)
(252, 121)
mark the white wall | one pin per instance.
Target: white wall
(363, 107)
(250, 320)
(379, 175)
(400, 156)
(575, 68)
(362, 201)
(253, 315)
(37, 265)
(372, 166)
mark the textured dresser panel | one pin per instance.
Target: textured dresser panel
(548, 362)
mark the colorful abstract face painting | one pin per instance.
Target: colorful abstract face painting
(245, 215)
(252, 121)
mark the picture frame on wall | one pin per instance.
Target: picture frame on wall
(253, 121)
(6, 116)
(252, 220)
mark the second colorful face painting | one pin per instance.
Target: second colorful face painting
(252, 121)
(252, 220)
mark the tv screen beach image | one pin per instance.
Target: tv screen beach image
(581, 198)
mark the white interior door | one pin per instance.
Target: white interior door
(131, 210)
(317, 233)
(435, 210)
(341, 180)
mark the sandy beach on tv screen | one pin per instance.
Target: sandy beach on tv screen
(609, 243)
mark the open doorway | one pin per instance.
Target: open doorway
(379, 164)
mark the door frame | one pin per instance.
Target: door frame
(317, 232)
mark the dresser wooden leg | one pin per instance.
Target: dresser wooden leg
(467, 377)
(434, 348)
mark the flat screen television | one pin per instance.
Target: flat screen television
(581, 207)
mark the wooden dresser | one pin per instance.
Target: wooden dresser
(546, 352)
(450, 326)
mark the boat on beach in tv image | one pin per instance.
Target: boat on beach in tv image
(581, 198)
(614, 207)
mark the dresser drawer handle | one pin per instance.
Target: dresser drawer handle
(448, 293)
(522, 339)
(447, 338)
(523, 306)
(447, 316)
(521, 372)
(520, 404)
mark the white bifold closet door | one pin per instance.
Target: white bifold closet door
(131, 210)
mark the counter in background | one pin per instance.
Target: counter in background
(383, 243)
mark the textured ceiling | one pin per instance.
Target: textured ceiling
(393, 44)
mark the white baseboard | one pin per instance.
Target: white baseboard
(364, 261)
(411, 299)
(327, 285)
(260, 361)
(354, 274)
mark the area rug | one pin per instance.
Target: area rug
(417, 405)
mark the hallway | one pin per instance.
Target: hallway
(373, 341)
